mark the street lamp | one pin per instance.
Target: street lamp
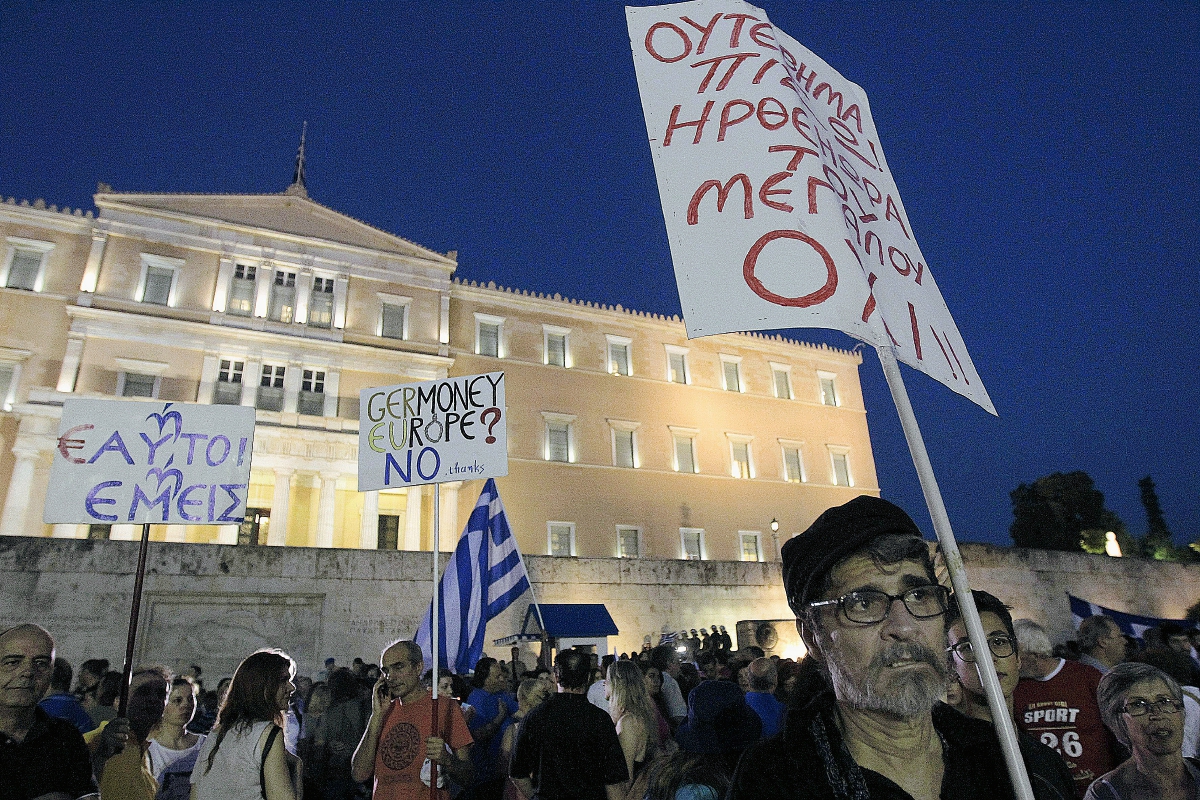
(775, 537)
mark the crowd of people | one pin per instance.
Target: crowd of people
(888, 703)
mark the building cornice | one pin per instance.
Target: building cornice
(620, 316)
(205, 337)
(42, 216)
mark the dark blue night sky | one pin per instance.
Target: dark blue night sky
(1047, 155)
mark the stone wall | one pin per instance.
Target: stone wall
(212, 604)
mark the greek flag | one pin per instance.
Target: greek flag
(483, 577)
(1134, 625)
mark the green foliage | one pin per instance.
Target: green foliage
(1157, 543)
(1095, 540)
(1054, 512)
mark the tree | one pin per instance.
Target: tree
(1157, 543)
(1053, 512)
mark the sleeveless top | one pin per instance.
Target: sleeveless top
(234, 773)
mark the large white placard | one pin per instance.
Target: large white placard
(128, 461)
(412, 434)
(780, 207)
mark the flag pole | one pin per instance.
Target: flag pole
(434, 633)
(958, 575)
(131, 636)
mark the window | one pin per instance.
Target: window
(242, 289)
(157, 284)
(751, 542)
(629, 541)
(393, 322)
(270, 388)
(691, 543)
(228, 389)
(739, 456)
(619, 361)
(489, 332)
(624, 443)
(8, 386)
(388, 529)
(320, 303)
(828, 389)
(841, 467)
(793, 464)
(558, 437)
(731, 373)
(781, 379)
(554, 341)
(133, 384)
(684, 441)
(560, 538)
(23, 264)
(312, 392)
(282, 307)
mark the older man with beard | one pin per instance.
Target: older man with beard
(868, 724)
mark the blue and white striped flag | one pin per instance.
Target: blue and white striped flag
(483, 577)
(1134, 625)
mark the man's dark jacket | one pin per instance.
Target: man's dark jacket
(809, 760)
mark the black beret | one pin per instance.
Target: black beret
(837, 534)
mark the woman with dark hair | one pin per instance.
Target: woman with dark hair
(494, 708)
(245, 758)
(1143, 707)
(172, 750)
(652, 677)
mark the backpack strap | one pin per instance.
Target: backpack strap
(262, 765)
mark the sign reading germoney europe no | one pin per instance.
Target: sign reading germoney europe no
(780, 207)
(432, 432)
(129, 461)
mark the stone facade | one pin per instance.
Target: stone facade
(213, 605)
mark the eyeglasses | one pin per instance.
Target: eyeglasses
(866, 606)
(1002, 646)
(1163, 705)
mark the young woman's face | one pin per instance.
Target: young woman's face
(445, 686)
(653, 680)
(181, 706)
(283, 694)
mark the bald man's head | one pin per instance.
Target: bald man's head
(26, 664)
(764, 676)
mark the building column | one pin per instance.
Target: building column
(251, 378)
(325, 509)
(412, 518)
(368, 532)
(176, 533)
(277, 533)
(332, 379)
(448, 515)
(208, 378)
(20, 488)
(340, 284)
(125, 533)
(224, 278)
(291, 387)
(263, 278)
(68, 531)
(304, 283)
(91, 271)
(69, 372)
(227, 534)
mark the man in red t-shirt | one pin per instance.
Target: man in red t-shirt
(1056, 702)
(401, 717)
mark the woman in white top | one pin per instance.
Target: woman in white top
(171, 746)
(232, 757)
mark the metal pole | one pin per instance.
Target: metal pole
(127, 672)
(434, 633)
(958, 576)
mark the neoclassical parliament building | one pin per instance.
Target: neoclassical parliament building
(625, 438)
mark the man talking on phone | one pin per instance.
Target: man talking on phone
(401, 717)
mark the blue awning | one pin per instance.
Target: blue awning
(564, 621)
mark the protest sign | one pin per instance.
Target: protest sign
(780, 207)
(127, 461)
(412, 434)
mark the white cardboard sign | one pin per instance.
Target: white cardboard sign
(412, 434)
(128, 461)
(780, 208)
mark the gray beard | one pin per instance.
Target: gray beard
(909, 698)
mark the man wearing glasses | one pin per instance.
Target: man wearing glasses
(868, 723)
(1056, 702)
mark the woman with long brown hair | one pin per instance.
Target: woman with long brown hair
(632, 712)
(244, 758)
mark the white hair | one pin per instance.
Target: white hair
(1032, 638)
